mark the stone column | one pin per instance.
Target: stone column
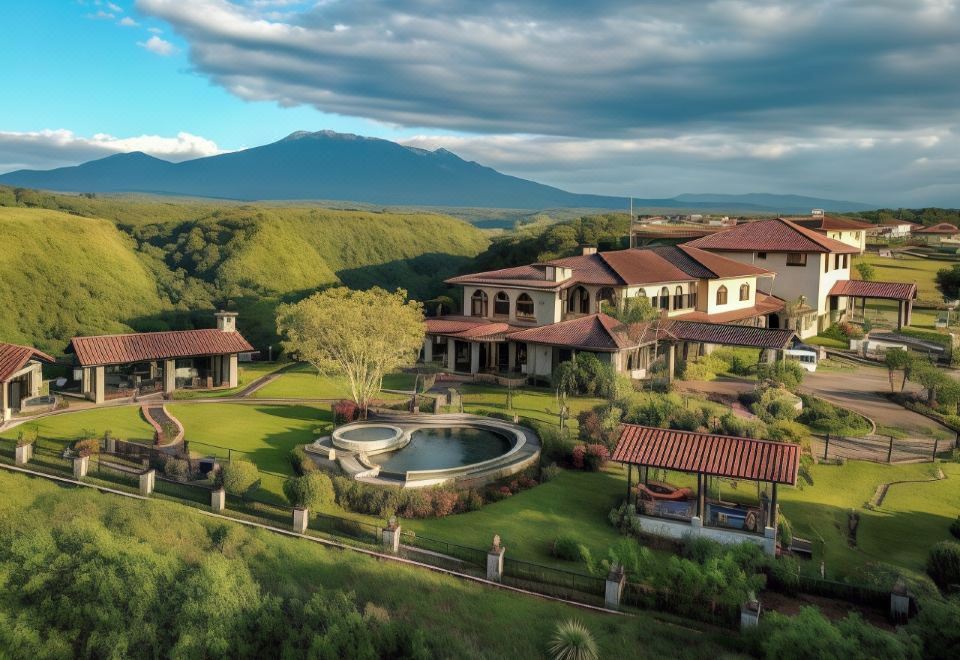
(4, 402)
(36, 380)
(24, 454)
(474, 357)
(671, 362)
(80, 466)
(99, 386)
(427, 349)
(899, 602)
(391, 537)
(495, 560)
(750, 614)
(511, 356)
(169, 376)
(451, 354)
(85, 375)
(147, 481)
(770, 540)
(218, 500)
(301, 518)
(234, 370)
(613, 587)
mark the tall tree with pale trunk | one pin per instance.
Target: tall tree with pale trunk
(360, 335)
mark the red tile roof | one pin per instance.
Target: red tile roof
(596, 332)
(465, 327)
(861, 289)
(832, 223)
(729, 335)
(777, 235)
(766, 304)
(942, 228)
(897, 223)
(13, 358)
(142, 347)
(532, 276)
(706, 453)
(590, 269)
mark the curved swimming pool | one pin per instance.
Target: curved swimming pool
(443, 448)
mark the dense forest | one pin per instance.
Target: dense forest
(924, 216)
(77, 264)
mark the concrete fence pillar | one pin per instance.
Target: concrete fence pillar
(899, 602)
(24, 454)
(770, 540)
(301, 518)
(110, 445)
(613, 587)
(80, 466)
(218, 500)
(495, 560)
(390, 537)
(148, 480)
(750, 614)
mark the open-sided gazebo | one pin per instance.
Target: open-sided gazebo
(667, 510)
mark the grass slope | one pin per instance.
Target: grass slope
(61, 275)
(124, 422)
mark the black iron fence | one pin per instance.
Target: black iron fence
(561, 582)
(683, 604)
(879, 448)
(473, 556)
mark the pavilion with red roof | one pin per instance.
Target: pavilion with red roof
(21, 377)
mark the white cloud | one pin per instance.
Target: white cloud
(126, 21)
(155, 30)
(114, 8)
(157, 45)
(56, 148)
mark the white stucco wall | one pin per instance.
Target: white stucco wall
(856, 238)
(733, 294)
(546, 304)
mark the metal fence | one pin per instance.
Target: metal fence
(879, 448)
(473, 556)
(561, 582)
(646, 597)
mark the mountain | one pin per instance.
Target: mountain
(335, 166)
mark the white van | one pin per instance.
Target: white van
(805, 356)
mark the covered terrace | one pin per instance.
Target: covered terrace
(693, 338)
(21, 377)
(902, 292)
(676, 511)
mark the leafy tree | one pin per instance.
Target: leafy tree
(866, 271)
(239, 477)
(635, 310)
(948, 282)
(314, 491)
(936, 627)
(361, 335)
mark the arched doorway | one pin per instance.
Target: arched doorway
(579, 301)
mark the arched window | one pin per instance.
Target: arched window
(478, 303)
(664, 298)
(607, 295)
(525, 307)
(678, 298)
(744, 291)
(501, 304)
(578, 302)
(722, 295)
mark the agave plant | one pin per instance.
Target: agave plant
(572, 641)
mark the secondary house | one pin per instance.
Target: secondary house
(124, 366)
(939, 234)
(528, 319)
(846, 230)
(21, 377)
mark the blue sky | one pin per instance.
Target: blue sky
(851, 99)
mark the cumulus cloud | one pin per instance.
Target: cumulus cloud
(126, 21)
(157, 45)
(56, 148)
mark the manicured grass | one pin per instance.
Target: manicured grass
(463, 619)
(263, 434)
(123, 422)
(906, 269)
(246, 374)
(829, 342)
(533, 403)
(303, 382)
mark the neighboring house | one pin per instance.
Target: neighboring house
(528, 319)
(21, 377)
(846, 230)
(937, 234)
(894, 229)
(123, 366)
(808, 264)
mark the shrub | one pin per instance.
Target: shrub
(87, 447)
(705, 367)
(585, 374)
(688, 419)
(345, 411)
(811, 635)
(572, 641)
(444, 502)
(176, 469)
(470, 500)
(419, 504)
(730, 424)
(596, 457)
(786, 431)
(788, 374)
(955, 527)
(301, 461)
(566, 548)
(943, 563)
(240, 477)
(313, 491)
(653, 410)
(550, 472)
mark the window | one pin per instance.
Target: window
(578, 302)
(501, 304)
(525, 307)
(836, 261)
(761, 255)
(744, 292)
(478, 303)
(664, 298)
(678, 298)
(797, 259)
(826, 263)
(846, 261)
(722, 295)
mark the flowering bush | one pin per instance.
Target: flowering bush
(444, 502)
(87, 447)
(345, 411)
(590, 457)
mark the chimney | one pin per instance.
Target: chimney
(817, 213)
(226, 321)
(588, 250)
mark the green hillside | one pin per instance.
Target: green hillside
(155, 265)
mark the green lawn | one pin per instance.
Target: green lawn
(247, 372)
(461, 619)
(906, 269)
(264, 434)
(533, 403)
(123, 422)
(303, 382)
(828, 342)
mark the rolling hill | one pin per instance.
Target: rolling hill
(335, 166)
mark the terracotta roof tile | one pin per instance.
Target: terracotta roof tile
(528, 276)
(776, 235)
(729, 334)
(596, 332)
(590, 269)
(832, 223)
(141, 347)
(861, 289)
(765, 304)
(942, 228)
(707, 453)
(13, 358)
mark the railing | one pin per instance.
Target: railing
(562, 582)
(475, 556)
(646, 597)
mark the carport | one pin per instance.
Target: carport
(902, 292)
